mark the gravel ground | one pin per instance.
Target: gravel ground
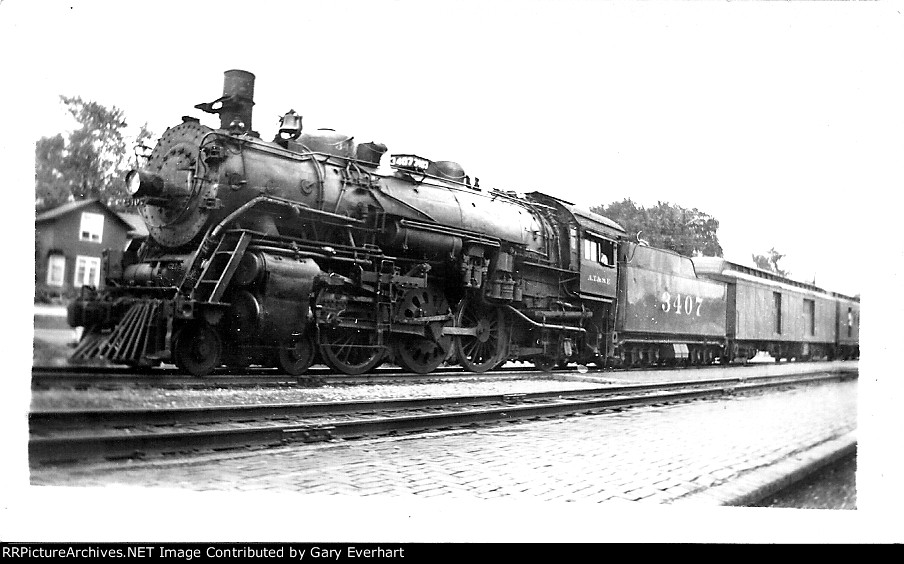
(51, 347)
(834, 487)
(139, 397)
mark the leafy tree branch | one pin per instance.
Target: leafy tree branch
(88, 163)
(689, 232)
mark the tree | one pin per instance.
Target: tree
(689, 232)
(769, 262)
(91, 162)
(51, 188)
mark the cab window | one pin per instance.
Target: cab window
(600, 251)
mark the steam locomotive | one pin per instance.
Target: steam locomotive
(312, 247)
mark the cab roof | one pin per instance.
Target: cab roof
(585, 218)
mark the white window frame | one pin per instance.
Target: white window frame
(82, 280)
(52, 262)
(591, 250)
(91, 228)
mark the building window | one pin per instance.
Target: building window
(810, 313)
(87, 271)
(92, 228)
(777, 300)
(56, 270)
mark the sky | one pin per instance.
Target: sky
(783, 120)
(771, 117)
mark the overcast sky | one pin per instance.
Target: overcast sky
(771, 117)
(781, 119)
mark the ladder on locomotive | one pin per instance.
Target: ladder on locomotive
(385, 300)
(220, 267)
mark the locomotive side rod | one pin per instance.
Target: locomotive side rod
(467, 331)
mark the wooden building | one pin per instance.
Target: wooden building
(69, 243)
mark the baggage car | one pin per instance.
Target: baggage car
(767, 312)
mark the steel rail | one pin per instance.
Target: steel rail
(43, 380)
(108, 376)
(516, 406)
(67, 418)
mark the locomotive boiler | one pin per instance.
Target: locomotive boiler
(312, 245)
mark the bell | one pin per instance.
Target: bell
(290, 125)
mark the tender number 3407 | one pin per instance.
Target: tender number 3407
(687, 305)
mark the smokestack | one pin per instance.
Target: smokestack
(238, 98)
(234, 107)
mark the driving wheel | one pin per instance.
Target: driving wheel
(422, 354)
(486, 348)
(350, 351)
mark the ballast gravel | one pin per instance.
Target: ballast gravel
(146, 397)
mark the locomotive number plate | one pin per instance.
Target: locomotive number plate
(687, 305)
(409, 162)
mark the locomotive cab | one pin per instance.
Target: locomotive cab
(588, 252)
(598, 265)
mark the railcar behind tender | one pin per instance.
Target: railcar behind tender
(771, 313)
(847, 327)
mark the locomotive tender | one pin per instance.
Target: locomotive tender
(310, 246)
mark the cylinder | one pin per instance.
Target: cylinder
(286, 295)
(140, 273)
(249, 270)
(245, 314)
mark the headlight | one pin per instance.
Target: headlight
(143, 184)
(133, 181)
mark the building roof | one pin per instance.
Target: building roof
(70, 207)
(60, 211)
(139, 228)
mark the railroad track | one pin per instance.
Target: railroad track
(110, 377)
(73, 435)
(44, 378)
